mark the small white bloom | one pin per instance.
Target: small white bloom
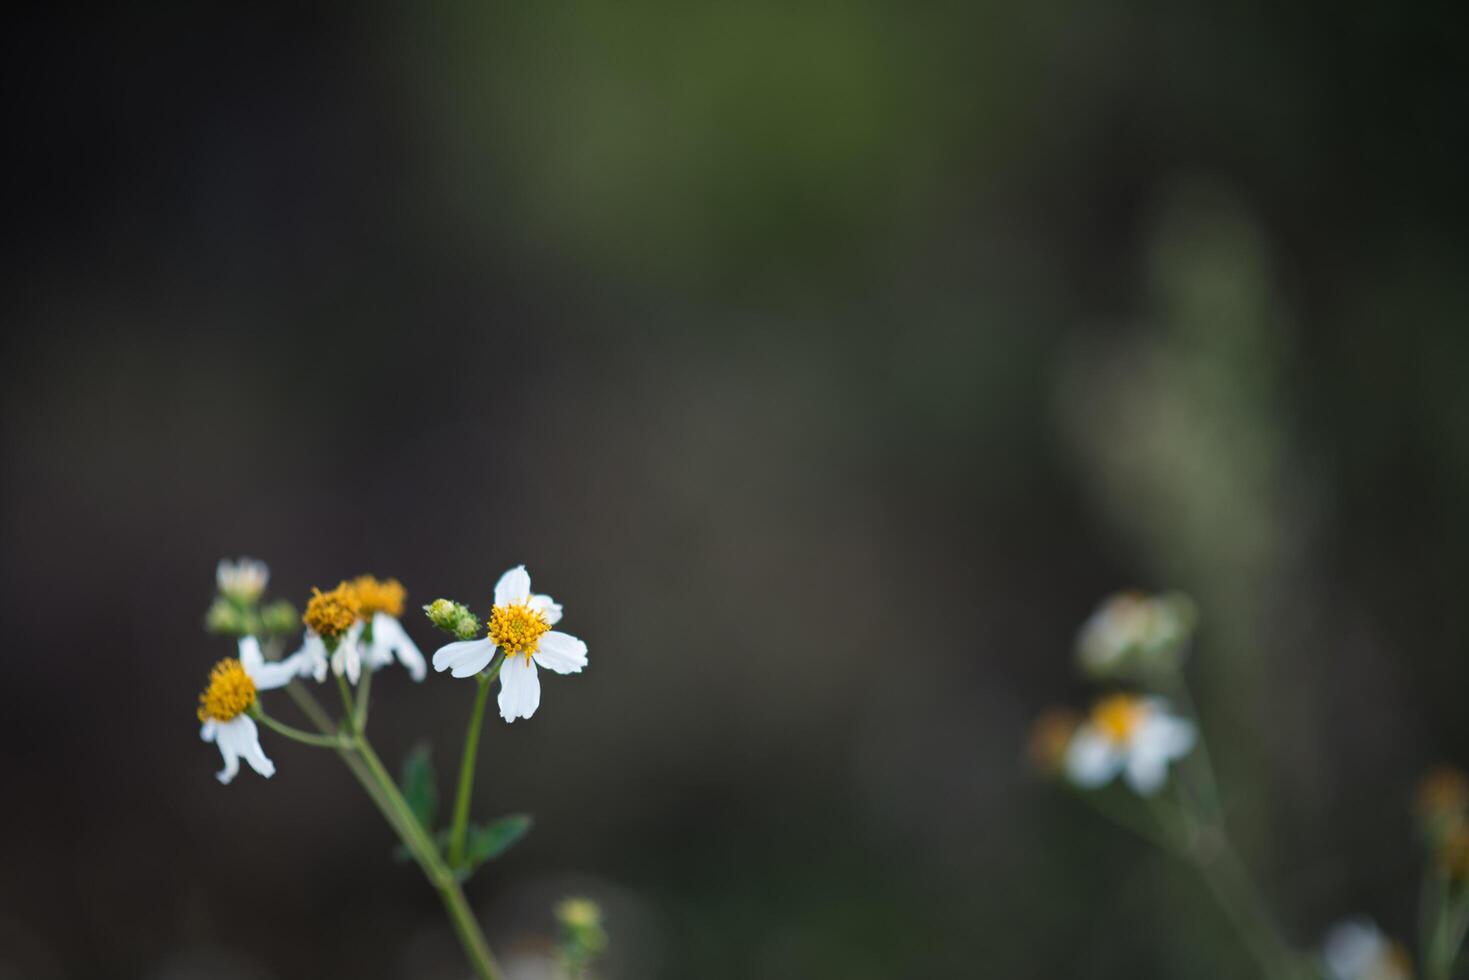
(1135, 736)
(520, 624)
(1355, 949)
(243, 580)
(390, 640)
(1132, 630)
(233, 684)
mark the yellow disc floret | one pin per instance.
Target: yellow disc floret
(1118, 716)
(229, 694)
(517, 629)
(330, 614)
(375, 596)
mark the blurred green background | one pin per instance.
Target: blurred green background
(829, 362)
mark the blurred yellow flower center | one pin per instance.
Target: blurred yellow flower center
(330, 614)
(1118, 716)
(517, 629)
(229, 694)
(374, 596)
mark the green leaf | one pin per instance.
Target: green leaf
(495, 838)
(419, 787)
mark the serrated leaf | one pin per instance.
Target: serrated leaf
(495, 838)
(420, 789)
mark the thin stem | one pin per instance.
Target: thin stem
(461, 916)
(466, 764)
(325, 741)
(347, 704)
(363, 687)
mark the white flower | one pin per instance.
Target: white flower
(1355, 949)
(389, 640)
(1132, 735)
(520, 624)
(1132, 630)
(223, 705)
(243, 580)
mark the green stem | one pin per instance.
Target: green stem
(364, 685)
(466, 764)
(308, 738)
(461, 916)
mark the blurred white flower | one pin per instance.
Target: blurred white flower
(520, 624)
(1135, 736)
(233, 684)
(242, 580)
(1355, 949)
(1132, 630)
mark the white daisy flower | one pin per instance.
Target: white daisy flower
(243, 580)
(520, 624)
(1355, 949)
(1132, 630)
(233, 684)
(381, 604)
(329, 619)
(1132, 735)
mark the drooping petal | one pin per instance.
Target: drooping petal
(310, 660)
(207, 730)
(224, 737)
(244, 740)
(1146, 770)
(520, 689)
(549, 608)
(452, 656)
(561, 652)
(1092, 759)
(347, 660)
(389, 634)
(513, 589)
(267, 675)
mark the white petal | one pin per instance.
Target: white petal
(561, 652)
(474, 663)
(1092, 759)
(520, 689)
(353, 658)
(244, 739)
(453, 654)
(549, 608)
(250, 655)
(388, 632)
(513, 589)
(207, 730)
(1351, 949)
(1147, 770)
(224, 737)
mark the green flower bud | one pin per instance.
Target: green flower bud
(280, 617)
(582, 936)
(226, 618)
(453, 617)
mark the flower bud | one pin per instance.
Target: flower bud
(279, 617)
(452, 617)
(226, 618)
(582, 935)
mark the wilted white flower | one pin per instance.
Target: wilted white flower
(242, 580)
(1132, 630)
(520, 624)
(1355, 949)
(233, 684)
(329, 619)
(381, 603)
(1135, 736)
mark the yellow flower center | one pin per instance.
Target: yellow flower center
(330, 614)
(1118, 716)
(229, 694)
(517, 629)
(374, 596)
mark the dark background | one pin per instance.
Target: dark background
(829, 363)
